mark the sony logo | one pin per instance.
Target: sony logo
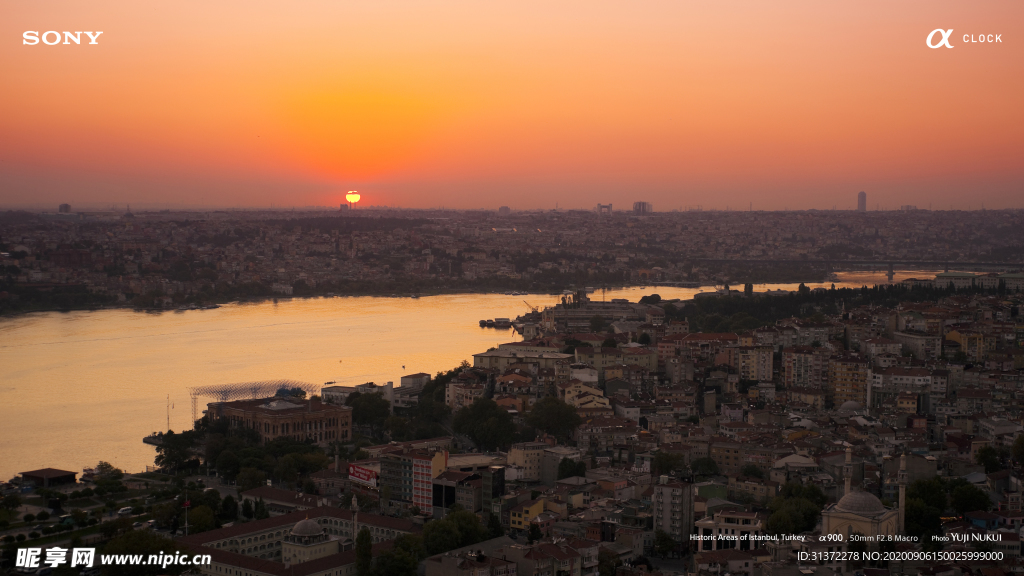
(32, 37)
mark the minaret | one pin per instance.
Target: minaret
(848, 469)
(902, 479)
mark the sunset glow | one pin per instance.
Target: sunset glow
(457, 103)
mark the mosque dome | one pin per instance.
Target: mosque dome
(850, 405)
(307, 527)
(861, 503)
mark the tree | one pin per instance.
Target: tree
(534, 533)
(247, 510)
(988, 457)
(440, 536)
(486, 423)
(554, 417)
(666, 462)
(468, 525)
(369, 410)
(260, 511)
(931, 492)
(175, 450)
(568, 468)
(752, 471)
(201, 519)
(494, 527)
(228, 465)
(704, 467)
(10, 502)
(664, 543)
(395, 562)
(922, 520)
(644, 339)
(796, 509)
(364, 552)
(967, 498)
(229, 508)
(1018, 449)
(249, 478)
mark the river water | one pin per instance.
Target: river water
(80, 387)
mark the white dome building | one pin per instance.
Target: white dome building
(307, 541)
(859, 512)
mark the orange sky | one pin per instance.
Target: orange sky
(792, 104)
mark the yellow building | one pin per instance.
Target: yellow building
(971, 343)
(847, 380)
(521, 515)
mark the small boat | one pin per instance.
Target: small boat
(502, 323)
(483, 323)
(508, 293)
(490, 323)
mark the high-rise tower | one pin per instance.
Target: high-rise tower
(862, 202)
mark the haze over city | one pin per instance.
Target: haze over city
(468, 105)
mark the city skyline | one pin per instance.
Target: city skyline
(528, 105)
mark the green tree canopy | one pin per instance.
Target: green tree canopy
(369, 410)
(796, 509)
(486, 423)
(249, 478)
(364, 552)
(988, 457)
(967, 498)
(175, 450)
(664, 543)
(534, 534)
(704, 467)
(752, 471)
(666, 462)
(201, 519)
(931, 492)
(569, 467)
(554, 417)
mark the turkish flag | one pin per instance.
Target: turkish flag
(188, 503)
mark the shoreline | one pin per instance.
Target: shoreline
(375, 294)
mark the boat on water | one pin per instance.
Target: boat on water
(483, 323)
(490, 323)
(502, 323)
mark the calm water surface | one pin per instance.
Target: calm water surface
(80, 387)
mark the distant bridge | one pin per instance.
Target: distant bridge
(245, 391)
(883, 262)
(830, 265)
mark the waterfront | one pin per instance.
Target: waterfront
(79, 387)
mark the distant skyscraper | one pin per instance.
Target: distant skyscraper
(504, 211)
(64, 209)
(642, 208)
(604, 208)
(862, 202)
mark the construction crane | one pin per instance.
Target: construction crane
(531, 307)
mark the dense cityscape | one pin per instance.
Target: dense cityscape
(872, 431)
(70, 260)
